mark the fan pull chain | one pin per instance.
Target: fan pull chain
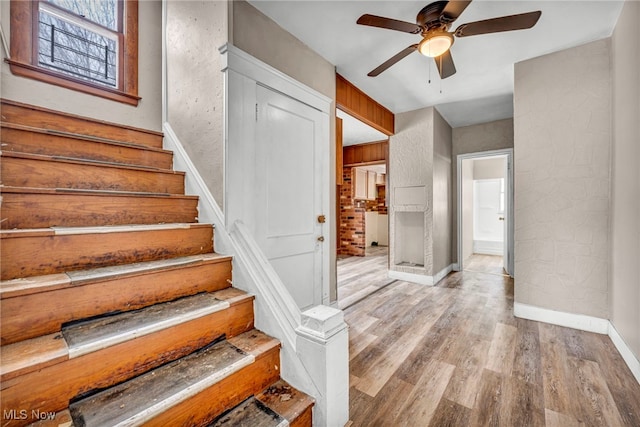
(441, 69)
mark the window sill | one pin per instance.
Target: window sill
(51, 77)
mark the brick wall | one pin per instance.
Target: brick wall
(351, 232)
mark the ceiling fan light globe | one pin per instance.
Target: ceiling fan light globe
(435, 44)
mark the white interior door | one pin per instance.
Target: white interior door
(289, 171)
(488, 221)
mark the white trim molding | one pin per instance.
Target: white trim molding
(583, 323)
(560, 318)
(627, 355)
(420, 279)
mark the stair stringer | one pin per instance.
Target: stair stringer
(315, 352)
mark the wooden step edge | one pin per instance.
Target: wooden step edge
(105, 229)
(147, 396)
(96, 334)
(31, 285)
(88, 162)
(78, 117)
(77, 136)
(36, 353)
(290, 403)
(91, 192)
(251, 412)
(84, 337)
(254, 342)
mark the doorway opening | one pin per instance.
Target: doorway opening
(485, 212)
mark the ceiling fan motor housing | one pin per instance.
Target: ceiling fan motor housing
(429, 16)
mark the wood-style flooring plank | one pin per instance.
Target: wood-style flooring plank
(454, 355)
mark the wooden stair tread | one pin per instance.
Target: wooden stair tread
(35, 284)
(107, 229)
(92, 335)
(88, 336)
(86, 162)
(146, 396)
(250, 413)
(79, 136)
(44, 118)
(286, 400)
(92, 192)
(36, 353)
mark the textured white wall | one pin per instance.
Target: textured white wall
(148, 113)
(562, 134)
(195, 92)
(442, 194)
(467, 210)
(625, 197)
(411, 165)
(474, 139)
(492, 168)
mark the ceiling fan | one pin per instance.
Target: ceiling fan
(433, 23)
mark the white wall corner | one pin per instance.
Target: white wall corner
(323, 347)
(455, 267)
(411, 277)
(631, 360)
(443, 273)
(560, 318)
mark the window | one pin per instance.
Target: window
(86, 45)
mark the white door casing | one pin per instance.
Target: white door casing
(277, 182)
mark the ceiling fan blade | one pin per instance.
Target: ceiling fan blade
(496, 25)
(445, 65)
(453, 9)
(388, 23)
(389, 62)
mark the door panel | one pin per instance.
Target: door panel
(288, 184)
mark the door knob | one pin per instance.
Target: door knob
(321, 239)
(321, 219)
(501, 218)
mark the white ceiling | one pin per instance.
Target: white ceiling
(482, 88)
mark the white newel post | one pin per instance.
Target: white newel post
(323, 347)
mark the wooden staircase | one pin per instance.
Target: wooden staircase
(115, 309)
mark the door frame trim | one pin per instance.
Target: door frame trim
(509, 241)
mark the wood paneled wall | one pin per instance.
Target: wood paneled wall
(357, 103)
(373, 152)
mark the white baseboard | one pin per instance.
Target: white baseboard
(488, 247)
(411, 277)
(456, 267)
(442, 273)
(560, 318)
(583, 323)
(632, 361)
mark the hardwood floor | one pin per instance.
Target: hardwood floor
(454, 355)
(481, 263)
(359, 277)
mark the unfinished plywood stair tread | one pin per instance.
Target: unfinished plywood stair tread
(278, 405)
(250, 413)
(147, 396)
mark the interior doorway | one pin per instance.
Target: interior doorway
(485, 211)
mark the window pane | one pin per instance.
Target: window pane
(76, 51)
(103, 12)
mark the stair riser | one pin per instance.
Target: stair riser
(31, 210)
(33, 315)
(51, 388)
(49, 254)
(23, 172)
(46, 119)
(23, 141)
(206, 406)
